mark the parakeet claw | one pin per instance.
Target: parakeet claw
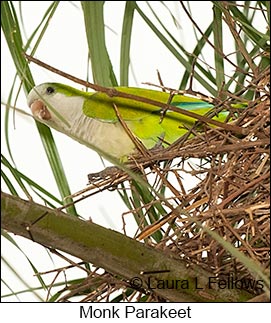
(108, 172)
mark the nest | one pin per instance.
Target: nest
(231, 197)
(228, 192)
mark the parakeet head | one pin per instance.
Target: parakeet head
(55, 104)
(37, 99)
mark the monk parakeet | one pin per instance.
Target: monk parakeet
(89, 117)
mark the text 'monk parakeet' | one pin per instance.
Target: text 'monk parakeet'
(89, 117)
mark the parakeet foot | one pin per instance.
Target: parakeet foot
(108, 172)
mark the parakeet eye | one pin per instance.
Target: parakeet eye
(50, 90)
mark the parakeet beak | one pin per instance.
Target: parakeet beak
(37, 106)
(39, 110)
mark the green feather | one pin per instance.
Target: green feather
(144, 119)
(100, 105)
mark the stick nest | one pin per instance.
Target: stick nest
(217, 180)
(232, 186)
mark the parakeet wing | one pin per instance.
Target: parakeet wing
(144, 119)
